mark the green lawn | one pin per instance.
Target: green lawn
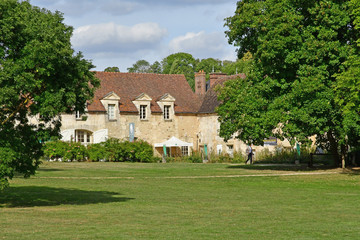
(180, 201)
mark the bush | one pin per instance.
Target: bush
(236, 157)
(55, 150)
(281, 155)
(113, 150)
(65, 151)
(96, 152)
(75, 151)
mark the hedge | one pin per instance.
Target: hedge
(112, 150)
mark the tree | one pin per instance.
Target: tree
(180, 63)
(156, 67)
(297, 48)
(347, 88)
(141, 66)
(40, 77)
(209, 65)
(112, 69)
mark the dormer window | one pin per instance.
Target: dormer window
(111, 111)
(167, 112)
(143, 112)
(111, 104)
(166, 103)
(143, 103)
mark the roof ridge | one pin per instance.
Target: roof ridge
(134, 73)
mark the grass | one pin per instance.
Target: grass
(180, 201)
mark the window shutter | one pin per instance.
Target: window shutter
(100, 136)
(67, 134)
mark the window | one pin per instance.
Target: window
(167, 112)
(185, 150)
(111, 111)
(143, 112)
(230, 150)
(82, 136)
(77, 115)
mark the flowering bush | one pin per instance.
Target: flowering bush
(55, 150)
(112, 150)
(75, 151)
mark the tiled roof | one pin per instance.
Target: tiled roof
(128, 86)
(210, 101)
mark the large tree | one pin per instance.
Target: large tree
(298, 47)
(347, 89)
(141, 66)
(112, 69)
(180, 63)
(40, 77)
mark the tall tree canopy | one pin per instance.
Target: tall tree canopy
(180, 63)
(40, 77)
(112, 69)
(141, 66)
(299, 48)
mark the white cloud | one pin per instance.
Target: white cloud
(111, 37)
(201, 44)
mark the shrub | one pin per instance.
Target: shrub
(117, 151)
(55, 150)
(67, 151)
(96, 152)
(281, 155)
(75, 151)
(195, 157)
(236, 157)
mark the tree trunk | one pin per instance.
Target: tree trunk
(343, 149)
(334, 149)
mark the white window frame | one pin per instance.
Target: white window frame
(111, 111)
(184, 150)
(167, 112)
(83, 136)
(143, 114)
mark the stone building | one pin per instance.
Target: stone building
(154, 108)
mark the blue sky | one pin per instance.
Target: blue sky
(120, 32)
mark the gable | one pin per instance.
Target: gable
(143, 97)
(166, 98)
(111, 96)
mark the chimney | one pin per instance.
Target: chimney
(216, 76)
(200, 83)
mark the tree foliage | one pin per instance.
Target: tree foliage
(112, 69)
(141, 66)
(180, 63)
(185, 63)
(40, 77)
(298, 48)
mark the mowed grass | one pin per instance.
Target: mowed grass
(180, 201)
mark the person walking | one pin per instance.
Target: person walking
(249, 151)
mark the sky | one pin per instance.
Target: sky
(120, 32)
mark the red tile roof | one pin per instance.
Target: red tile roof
(130, 85)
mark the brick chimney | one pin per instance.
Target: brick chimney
(200, 83)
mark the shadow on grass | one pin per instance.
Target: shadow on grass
(34, 196)
(352, 171)
(281, 167)
(49, 170)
